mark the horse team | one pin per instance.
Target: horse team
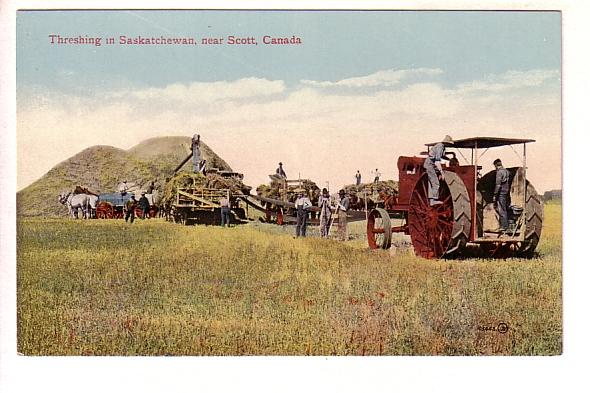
(86, 203)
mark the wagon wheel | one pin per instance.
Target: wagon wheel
(379, 229)
(118, 212)
(100, 211)
(111, 212)
(105, 210)
(441, 230)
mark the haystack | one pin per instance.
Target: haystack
(372, 190)
(276, 190)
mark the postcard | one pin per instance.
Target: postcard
(324, 184)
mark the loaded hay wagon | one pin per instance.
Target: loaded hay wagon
(277, 200)
(194, 198)
(467, 214)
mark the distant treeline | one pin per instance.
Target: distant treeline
(552, 195)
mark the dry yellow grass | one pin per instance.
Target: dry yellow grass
(156, 288)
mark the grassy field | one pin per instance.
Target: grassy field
(156, 288)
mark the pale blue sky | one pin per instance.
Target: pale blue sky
(368, 85)
(337, 45)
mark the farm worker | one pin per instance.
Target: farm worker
(358, 177)
(224, 203)
(123, 187)
(302, 203)
(130, 206)
(196, 148)
(202, 167)
(501, 194)
(280, 171)
(434, 171)
(377, 175)
(325, 212)
(144, 205)
(341, 209)
(151, 188)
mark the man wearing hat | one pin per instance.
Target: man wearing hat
(280, 171)
(377, 175)
(144, 205)
(130, 209)
(123, 187)
(357, 176)
(501, 192)
(434, 171)
(325, 212)
(342, 208)
(301, 204)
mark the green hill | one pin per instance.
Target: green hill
(102, 168)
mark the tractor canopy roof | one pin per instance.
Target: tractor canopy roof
(484, 142)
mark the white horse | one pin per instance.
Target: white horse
(75, 202)
(92, 201)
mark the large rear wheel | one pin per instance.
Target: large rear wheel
(441, 230)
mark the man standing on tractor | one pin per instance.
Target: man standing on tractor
(434, 171)
(196, 148)
(358, 177)
(501, 192)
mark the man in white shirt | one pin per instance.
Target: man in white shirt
(342, 208)
(325, 212)
(301, 205)
(224, 203)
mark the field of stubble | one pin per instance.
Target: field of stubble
(155, 288)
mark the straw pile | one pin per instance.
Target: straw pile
(198, 180)
(276, 190)
(387, 187)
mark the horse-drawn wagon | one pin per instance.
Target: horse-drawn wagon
(112, 205)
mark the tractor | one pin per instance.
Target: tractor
(467, 214)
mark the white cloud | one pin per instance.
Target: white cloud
(509, 81)
(208, 92)
(385, 78)
(254, 123)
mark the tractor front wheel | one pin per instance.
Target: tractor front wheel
(379, 229)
